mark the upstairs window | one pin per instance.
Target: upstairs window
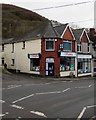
(23, 45)
(79, 47)
(3, 60)
(67, 45)
(12, 62)
(50, 44)
(2, 47)
(12, 47)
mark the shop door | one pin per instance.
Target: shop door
(50, 69)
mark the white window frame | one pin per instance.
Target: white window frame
(67, 41)
(80, 47)
(46, 40)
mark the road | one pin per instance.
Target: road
(33, 97)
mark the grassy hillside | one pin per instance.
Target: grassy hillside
(17, 21)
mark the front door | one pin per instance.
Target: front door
(50, 69)
(50, 66)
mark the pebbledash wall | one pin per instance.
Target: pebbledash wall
(35, 58)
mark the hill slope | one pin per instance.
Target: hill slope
(17, 21)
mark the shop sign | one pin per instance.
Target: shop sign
(85, 56)
(68, 54)
(33, 55)
(50, 60)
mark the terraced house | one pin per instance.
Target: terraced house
(49, 51)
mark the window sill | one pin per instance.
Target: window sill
(23, 48)
(12, 65)
(49, 50)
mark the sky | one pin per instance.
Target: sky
(78, 12)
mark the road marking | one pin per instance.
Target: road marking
(81, 114)
(66, 89)
(48, 93)
(38, 113)
(91, 106)
(1, 115)
(1, 101)
(44, 93)
(90, 85)
(14, 86)
(16, 106)
(23, 98)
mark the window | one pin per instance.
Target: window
(50, 44)
(23, 45)
(88, 47)
(67, 64)
(3, 61)
(79, 48)
(12, 62)
(12, 47)
(34, 64)
(2, 47)
(84, 66)
(67, 45)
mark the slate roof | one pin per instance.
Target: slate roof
(60, 29)
(77, 33)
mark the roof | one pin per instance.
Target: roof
(44, 30)
(77, 33)
(60, 29)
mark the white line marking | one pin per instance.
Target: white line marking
(66, 90)
(23, 98)
(1, 115)
(90, 85)
(81, 114)
(1, 101)
(38, 113)
(40, 94)
(16, 106)
(91, 106)
(48, 93)
(15, 86)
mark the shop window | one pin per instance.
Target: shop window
(50, 44)
(79, 47)
(12, 47)
(84, 65)
(23, 45)
(35, 64)
(67, 64)
(2, 47)
(12, 62)
(67, 45)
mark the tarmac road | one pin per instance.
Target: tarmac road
(34, 97)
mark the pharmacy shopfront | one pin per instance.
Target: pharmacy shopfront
(76, 64)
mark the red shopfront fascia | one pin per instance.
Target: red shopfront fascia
(30, 56)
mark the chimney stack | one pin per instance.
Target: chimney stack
(92, 31)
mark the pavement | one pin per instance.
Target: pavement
(27, 96)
